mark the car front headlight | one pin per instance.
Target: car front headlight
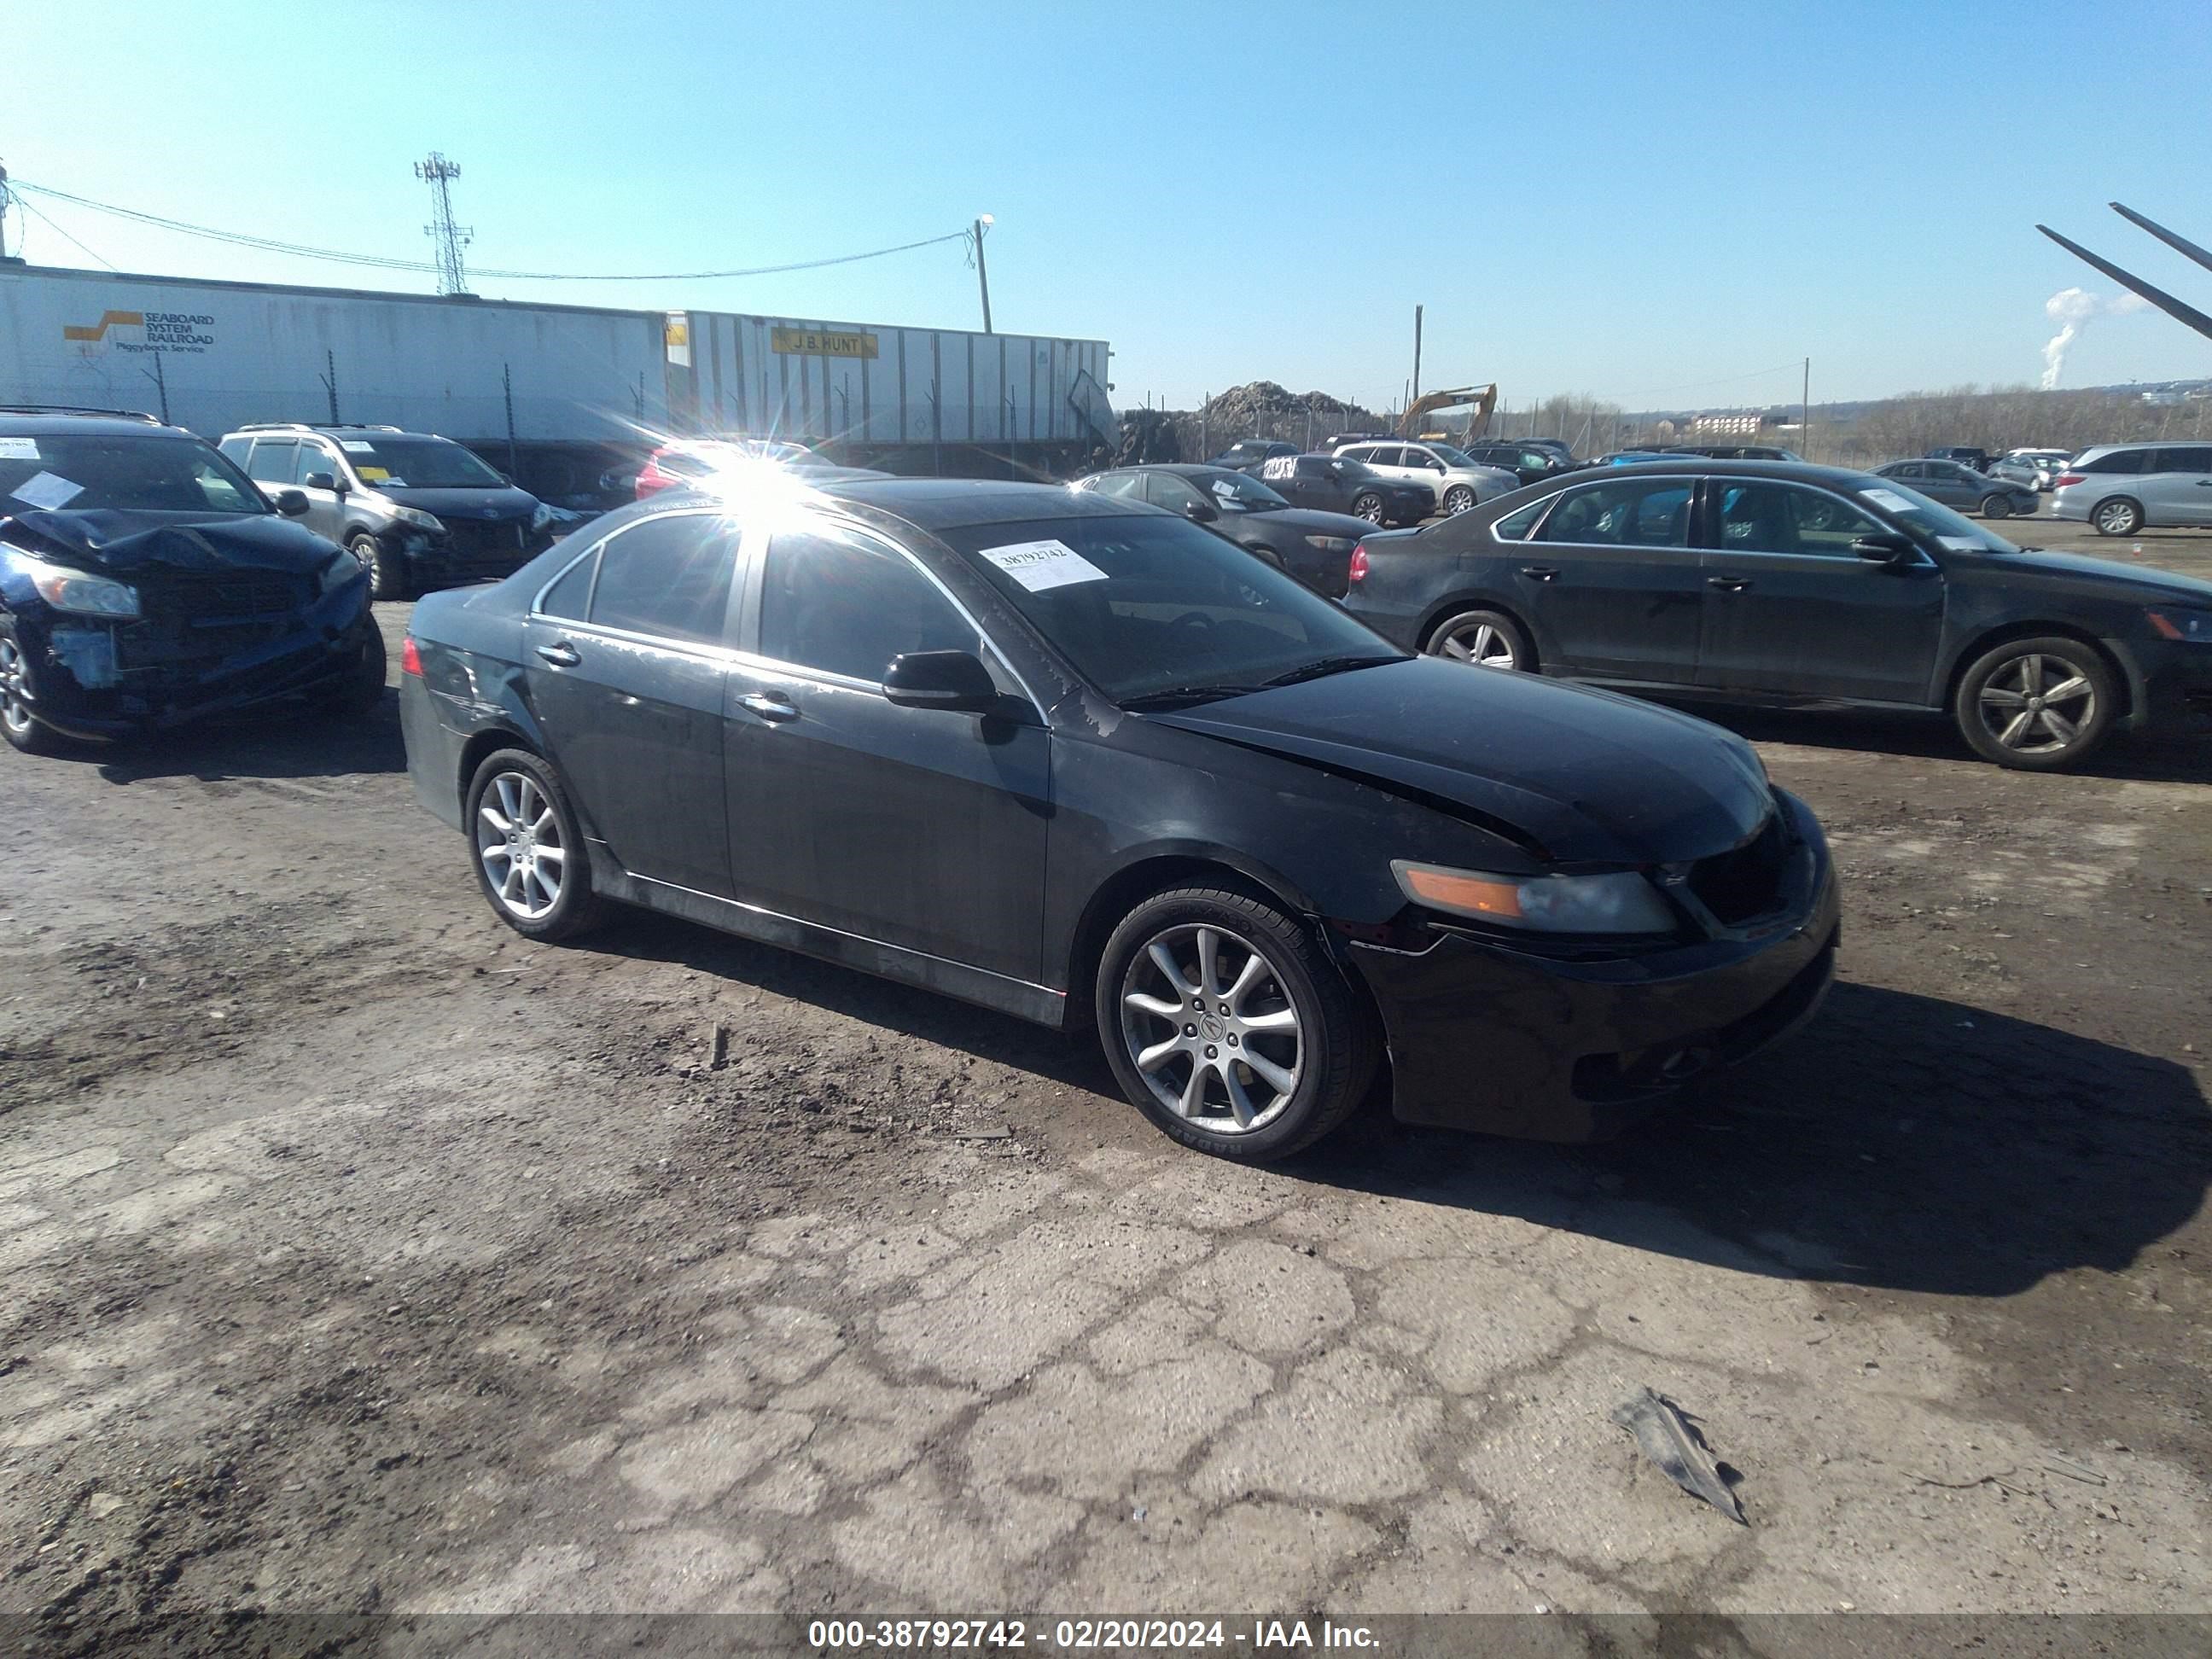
(2172, 622)
(1331, 544)
(542, 517)
(1622, 902)
(416, 517)
(342, 569)
(74, 591)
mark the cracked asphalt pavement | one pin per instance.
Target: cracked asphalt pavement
(362, 1256)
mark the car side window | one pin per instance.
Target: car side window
(2120, 460)
(1312, 467)
(569, 597)
(314, 458)
(274, 460)
(1173, 492)
(1126, 485)
(668, 577)
(1380, 455)
(1780, 517)
(1633, 513)
(2191, 459)
(844, 603)
(1514, 525)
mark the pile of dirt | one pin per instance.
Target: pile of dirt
(1259, 410)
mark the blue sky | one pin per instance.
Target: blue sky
(1652, 204)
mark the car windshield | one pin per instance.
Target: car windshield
(154, 473)
(1238, 492)
(400, 462)
(1153, 609)
(1931, 518)
(1451, 457)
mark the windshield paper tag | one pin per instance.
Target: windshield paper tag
(1960, 543)
(19, 449)
(1040, 565)
(1888, 498)
(48, 491)
(356, 446)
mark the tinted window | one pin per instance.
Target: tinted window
(567, 596)
(667, 576)
(2120, 460)
(848, 605)
(1119, 483)
(275, 461)
(1514, 526)
(1173, 492)
(1780, 517)
(1380, 455)
(313, 459)
(2194, 459)
(1633, 513)
(1312, 467)
(236, 449)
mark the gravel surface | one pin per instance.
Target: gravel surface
(362, 1256)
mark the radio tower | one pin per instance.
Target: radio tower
(450, 237)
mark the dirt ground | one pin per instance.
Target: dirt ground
(361, 1256)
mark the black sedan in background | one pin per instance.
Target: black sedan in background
(1082, 760)
(1785, 584)
(1328, 483)
(1962, 486)
(1315, 547)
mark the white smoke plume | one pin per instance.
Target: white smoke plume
(2071, 308)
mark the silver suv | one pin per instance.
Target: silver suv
(418, 510)
(1459, 480)
(2125, 488)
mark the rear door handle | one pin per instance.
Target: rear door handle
(1728, 584)
(561, 655)
(768, 706)
(1543, 573)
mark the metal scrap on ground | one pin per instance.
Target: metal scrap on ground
(1669, 1439)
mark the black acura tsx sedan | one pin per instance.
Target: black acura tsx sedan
(1078, 759)
(1781, 583)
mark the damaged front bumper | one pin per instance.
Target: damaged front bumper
(103, 679)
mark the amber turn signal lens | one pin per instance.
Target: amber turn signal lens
(1464, 893)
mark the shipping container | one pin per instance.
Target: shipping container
(556, 394)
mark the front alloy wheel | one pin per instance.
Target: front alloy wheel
(2036, 705)
(1457, 499)
(1368, 506)
(17, 723)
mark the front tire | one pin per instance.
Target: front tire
(1228, 1027)
(387, 577)
(1995, 506)
(528, 848)
(1457, 499)
(23, 730)
(2118, 517)
(1369, 506)
(362, 689)
(2039, 705)
(1481, 638)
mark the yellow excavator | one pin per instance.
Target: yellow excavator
(1478, 400)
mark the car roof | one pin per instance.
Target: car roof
(935, 504)
(1706, 466)
(24, 420)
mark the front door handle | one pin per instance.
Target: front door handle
(561, 655)
(1728, 584)
(1543, 573)
(768, 706)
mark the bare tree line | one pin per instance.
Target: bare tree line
(1999, 418)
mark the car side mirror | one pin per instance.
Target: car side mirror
(291, 503)
(1201, 512)
(320, 481)
(955, 680)
(1883, 548)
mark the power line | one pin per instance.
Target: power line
(56, 229)
(380, 261)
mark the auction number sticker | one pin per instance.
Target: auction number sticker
(356, 446)
(1889, 499)
(19, 449)
(47, 490)
(1041, 565)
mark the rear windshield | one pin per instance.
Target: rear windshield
(152, 473)
(406, 463)
(1142, 604)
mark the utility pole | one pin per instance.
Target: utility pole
(982, 277)
(450, 237)
(3, 213)
(1805, 412)
(1415, 389)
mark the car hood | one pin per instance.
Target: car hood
(1306, 521)
(1576, 775)
(2132, 580)
(119, 543)
(497, 505)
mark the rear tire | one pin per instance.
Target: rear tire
(1259, 1063)
(1481, 638)
(387, 578)
(2119, 516)
(516, 802)
(2039, 705)
(1995, 506)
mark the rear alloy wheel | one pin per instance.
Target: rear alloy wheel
(17, 724)
(1481, 638)
(2118, 517)
(1457, 499)
(1369, 506)
(1228, 1027)
(1996, 507)
(2036, 705)
(386, 571)
(530, 858)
